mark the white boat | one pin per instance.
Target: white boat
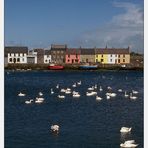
(125, 129)
(21, 94)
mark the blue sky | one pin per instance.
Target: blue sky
(86, 23)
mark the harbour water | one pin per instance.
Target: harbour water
(84, 122)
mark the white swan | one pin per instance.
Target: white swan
(79, 83)
(63, 90)
(119, 90)
(55, 128)
(125, 129)
(67, 92)
(132, 97)
(39, 100)
(109, 87)
(91, 88)
(21, 94)
(125, 94)
(91, 93)
(113, 94)
(29, 102)
(135, 92)
(61, 96)
(129, 144)
(96, 86)
(107, 97)
(100, 88)
(40, 94)
(51, 91)
(74, 85)
(76, 95)
(57, 86)
(98, 98)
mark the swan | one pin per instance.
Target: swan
(100, 88)
(129, 144)
(79, 83)
(91, 93)
(113, 94)
(125, 129)
(61, 96)
(40, 94)
(74, 85)
(51, 91)
(119, 90)
(91, 88)
(55, 128)
(38, 101)
(21, 94)
(135, 92)
(98, 98)
(57, 86)
(125, 94)
(29, 102)
(107, 96)
(109, 87)
(67, 92)
(95, 86)
(76, 95)
(63, 90)
(132, 97)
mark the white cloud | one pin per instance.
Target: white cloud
(123, 30)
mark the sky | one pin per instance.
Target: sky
(85, 23)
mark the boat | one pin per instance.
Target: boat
(55, 67)
(88, 67)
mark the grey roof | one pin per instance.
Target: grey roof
(58, 46)
(73, 51)
(112, 51)
(15, 49)
(87, 51)
(47, 52)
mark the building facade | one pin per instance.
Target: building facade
(112, 56)
(72, 56)
(87, 55)
(40, 55)
(47, 56)
(58, 53)
(16, 54)
(32, 57)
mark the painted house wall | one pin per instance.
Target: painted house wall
(102, 58)
(72, 59)
(47, 59)
(17, 58)
(112, 58)
(87, 58)
(123, 59)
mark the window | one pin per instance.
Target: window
(23, 59)
(124, 55)
(76, 60)
(102, 60)
(10, 60)
(102, 55)
(123, 60)
(18, 59)
(111, 60)
(68, 55)
(111, 55)
(46, 61)
(76, 55)
(68, 60)
(118, 60)
(96, 60)
(119, 55)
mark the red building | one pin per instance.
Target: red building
(72, 55)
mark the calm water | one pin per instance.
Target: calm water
(84, 122)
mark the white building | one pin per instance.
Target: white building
(16, 54)
(112, 58)
(47, 56)
(32, 57)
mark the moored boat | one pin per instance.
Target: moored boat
(88, 67)
(55, 67)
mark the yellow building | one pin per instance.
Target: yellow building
(112, 56)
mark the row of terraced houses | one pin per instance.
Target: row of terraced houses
(60, 54)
